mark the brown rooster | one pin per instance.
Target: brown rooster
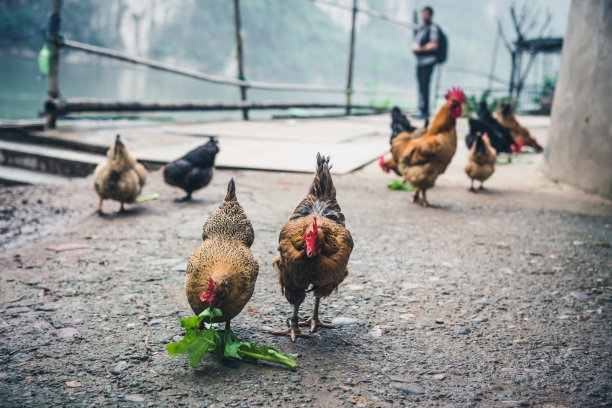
(421, 160)
(505, 116)
(224, 260)
(314, 249)
(120, 177)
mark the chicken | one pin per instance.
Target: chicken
(481, 160)
(420, 161)
(505, 116)
(223, 259)
(314, 249)
(400, 127)
(499, 135)
(120, 177)
(194, 170)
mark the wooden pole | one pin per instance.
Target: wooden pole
(239, 56)
(54, 46)
(349, 81)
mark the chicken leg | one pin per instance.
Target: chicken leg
(99, 209)
(415, 196)
(472, 189)
(424, 201)
(293, 331)
(481, 186)
(183, 199)
(122, 208)
(313, 321)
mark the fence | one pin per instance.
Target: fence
(56, 106)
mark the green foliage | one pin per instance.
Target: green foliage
(547, 90)
(197, 342)
(397, 185)
(470, 107)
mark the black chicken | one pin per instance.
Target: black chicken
(399, 123)
(499, 135)
(194, 170)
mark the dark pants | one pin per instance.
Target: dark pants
(424, 77)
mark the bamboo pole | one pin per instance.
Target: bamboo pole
(92, 49)
(239, 56)
(349, 81)
(62, 107)
(54, 46)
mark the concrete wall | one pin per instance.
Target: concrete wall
(579, 150)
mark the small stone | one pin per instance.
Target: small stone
(66, 332)
(480, 319)
(361, 401)
(580, 296)
(463, 330)
(564, 317)
(439, 377)
(521, 341)
(439, 321)
(134, 398)
(119, 367)
(578, 243)
(507, 271)
(482, 301)
(157, 322)
(343, 321)
(294, 379)
(356, 287)
(408, 389)
(376, 332)
(73, 384)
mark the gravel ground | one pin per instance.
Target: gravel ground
(495, 299)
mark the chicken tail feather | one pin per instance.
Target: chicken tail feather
(231, 191)
(322, 185)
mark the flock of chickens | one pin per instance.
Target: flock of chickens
(314, 245)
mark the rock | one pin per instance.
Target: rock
(483, 301)
(294, 379)
(119, 367)
(66, 332)
(463, 330)
(408, 389)
(376, 332)
(181, 267)
(578, 243)
(73, 384)
(564, 317)
(580, 296)
(343, 321)
(506, 271)
(356, 287)
(134, 398)
(520, 341)
(480, 319)
(439, 377)
(157, 322)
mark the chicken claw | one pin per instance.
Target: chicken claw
(293, 331)
(314, 323)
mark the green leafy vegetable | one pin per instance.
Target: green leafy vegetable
(197, 342)
(398, 185)
(148, 197)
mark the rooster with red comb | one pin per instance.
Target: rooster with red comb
(420, 161)
(314, 249)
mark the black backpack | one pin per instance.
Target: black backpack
(442, 50)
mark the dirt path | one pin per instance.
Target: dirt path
(495, 299)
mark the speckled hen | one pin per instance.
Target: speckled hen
(120, 177)
(225, 256)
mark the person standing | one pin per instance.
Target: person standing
(425, 45)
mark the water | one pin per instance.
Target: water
(23, 92)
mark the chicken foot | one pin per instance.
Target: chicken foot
(183, 199)
(426, 203)
(481, 186)
(99, 209)
(313, 321)
(293, 331)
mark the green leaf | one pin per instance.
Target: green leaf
(266, 353)
(398, 185)
(211, 312)
(191, 322)
(195, 344)
(148, 197)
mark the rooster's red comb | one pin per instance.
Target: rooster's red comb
(456, 93)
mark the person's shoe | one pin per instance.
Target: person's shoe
(420, 115)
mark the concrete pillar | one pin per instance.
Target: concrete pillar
(579, 150)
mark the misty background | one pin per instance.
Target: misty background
(287, 41)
